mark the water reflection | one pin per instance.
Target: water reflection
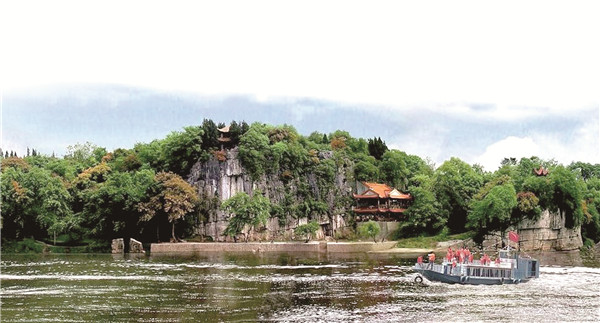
(275, 287)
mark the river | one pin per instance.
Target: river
(276, 288)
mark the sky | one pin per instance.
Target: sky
(476, 80)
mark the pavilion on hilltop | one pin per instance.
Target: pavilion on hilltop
(224, 137)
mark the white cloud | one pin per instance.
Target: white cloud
(536, 54)
(422, 141)
(583, 145)
(509, 147)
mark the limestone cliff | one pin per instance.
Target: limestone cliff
(548, 233)
(219, 180)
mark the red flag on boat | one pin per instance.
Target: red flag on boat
(513, 236)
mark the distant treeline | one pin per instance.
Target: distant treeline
(92, 195)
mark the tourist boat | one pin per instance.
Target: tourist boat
(511, 268)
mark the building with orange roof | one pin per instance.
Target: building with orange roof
(375, 201)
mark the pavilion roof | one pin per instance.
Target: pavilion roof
(377, 190)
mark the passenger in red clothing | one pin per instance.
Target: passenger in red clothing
(449, 255)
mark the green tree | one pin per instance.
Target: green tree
(318, 138)
(369, 229)
(307, 230)
(377, 148)
(34, 204)
(210, 135)
(492, 211)
(150, 154)
(236, 130)
(254, 150)
(394, 170)
(246, 211)
(172, 198)
(85, 155)
(365, 170)
(455, 182)
(181, 150)
(567, 195)
(425, 214)
(111, 208)
(590, 228)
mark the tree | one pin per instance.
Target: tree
(236, 130)
(209, 135)
(339, 139)
(317, 138)
(492, 211)
(455, 183)
(150, 153)
(590, 228)
(15, 162)
(172, 198)
(34, 204)
(567, 195)
(369, 229)
(181, 150)
(307, 230)
(377, 148)
(254, 149)
(84, 154)
(247, 211)
(111, 208)
(394, 170)
(366, 171)
(425, 214)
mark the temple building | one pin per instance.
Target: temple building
(224, 137)
(379, 202)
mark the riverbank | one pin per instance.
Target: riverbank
(29, 245)
(258, 247)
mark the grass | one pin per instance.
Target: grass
(29, 245)
(431, 241)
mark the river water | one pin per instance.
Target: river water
(276, 287)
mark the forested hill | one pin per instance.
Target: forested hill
(92, 195)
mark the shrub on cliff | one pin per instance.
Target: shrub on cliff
(247, 211)
(307, 230)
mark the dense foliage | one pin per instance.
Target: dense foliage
(92, 195)
(307, 230)
(369, 229)
(249, 212)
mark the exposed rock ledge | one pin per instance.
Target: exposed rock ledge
(548, 233)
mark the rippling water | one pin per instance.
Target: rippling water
(281, 287)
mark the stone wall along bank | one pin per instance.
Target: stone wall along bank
(256, 247)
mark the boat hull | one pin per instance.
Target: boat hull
(466, 280)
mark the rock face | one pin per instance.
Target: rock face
(118, 246)
(548, 233)
(217, 181)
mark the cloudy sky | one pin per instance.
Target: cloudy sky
(479, 81)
